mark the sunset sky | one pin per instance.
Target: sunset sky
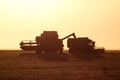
(24, 19)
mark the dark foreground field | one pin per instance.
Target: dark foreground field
(14, 65)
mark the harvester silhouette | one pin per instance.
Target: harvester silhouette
(48, 41)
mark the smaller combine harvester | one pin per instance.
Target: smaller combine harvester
(48, 41)
(83, 46)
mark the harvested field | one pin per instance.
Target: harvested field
(14, 65)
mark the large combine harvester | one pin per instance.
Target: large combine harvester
(48, 41)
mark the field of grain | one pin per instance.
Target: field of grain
(14, 65)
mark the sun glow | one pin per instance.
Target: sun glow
(33, 6)
(25, 19)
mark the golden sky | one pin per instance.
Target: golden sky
(25, 19)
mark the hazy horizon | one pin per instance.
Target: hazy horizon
(26, 19)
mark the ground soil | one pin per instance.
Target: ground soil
(19, 65)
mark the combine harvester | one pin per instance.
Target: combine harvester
(48, 42)
(83, 46)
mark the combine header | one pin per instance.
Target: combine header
(48, 41)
